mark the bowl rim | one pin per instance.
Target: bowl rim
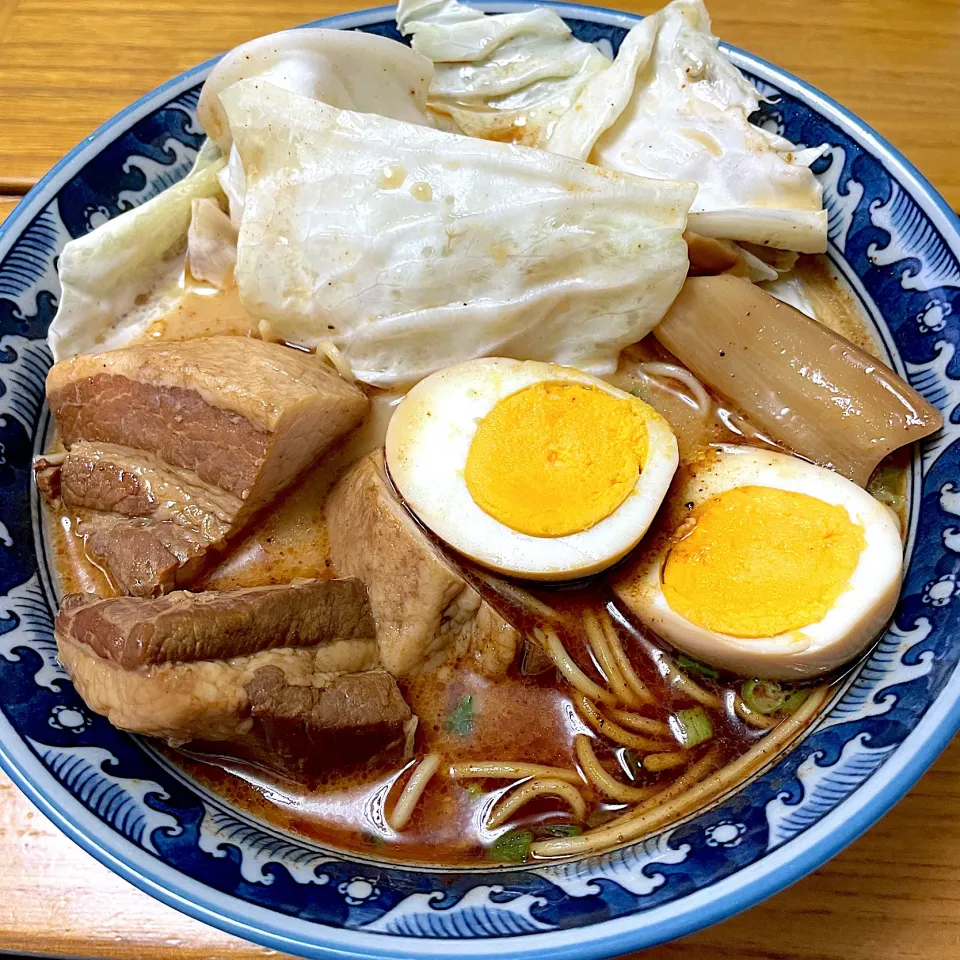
(733, 894)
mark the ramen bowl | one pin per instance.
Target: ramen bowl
(894, 248)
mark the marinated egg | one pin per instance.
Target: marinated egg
(768, 566)
(529, 468)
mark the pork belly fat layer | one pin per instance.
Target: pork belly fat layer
(134, 483)
(285, 677)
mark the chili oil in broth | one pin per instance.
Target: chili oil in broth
(530, 715)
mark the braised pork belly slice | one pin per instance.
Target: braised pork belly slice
(332, 723)
(426, 612)
(149, 525)
(144, 557)
(285, 677)
(172, 448)
(133, 483)
(220, 624)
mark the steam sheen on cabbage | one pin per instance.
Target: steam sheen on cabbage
(120, 277)
(672, 105)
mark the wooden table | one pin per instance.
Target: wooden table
(67, 65)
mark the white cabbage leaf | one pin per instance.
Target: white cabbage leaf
(211, 244)
(234, 185)
(672, 105)
(412, 248)
(117, 279)
(779, 261)
(345, 68)
(792, 290)
(503, 77)
(757, 270)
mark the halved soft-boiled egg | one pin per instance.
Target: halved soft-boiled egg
(529, 468)
(767, 566)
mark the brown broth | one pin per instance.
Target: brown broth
(348, 812)
(519, 718)
(201, 310)
(527, 718)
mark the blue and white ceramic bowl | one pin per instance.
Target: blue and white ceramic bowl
(894, 243)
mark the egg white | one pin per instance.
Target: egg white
(855, 618)
(427, 444)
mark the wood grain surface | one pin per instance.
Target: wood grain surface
(68, 65)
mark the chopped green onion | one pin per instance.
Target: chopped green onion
(688, 663)
(475, 791)
(793, 701)
(763, 696)
(562, 830)
(460, 722)
(692, 726)
(512, 847)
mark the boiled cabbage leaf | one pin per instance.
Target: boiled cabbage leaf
(412, 248)
(503, 77)
(672, 105)
(211, 244)
(117, 279)
(234, 185)
(347, 69)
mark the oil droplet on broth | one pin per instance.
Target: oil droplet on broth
(392, 177)
(422, 191)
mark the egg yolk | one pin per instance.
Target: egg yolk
(759, 562)
(556, 458)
